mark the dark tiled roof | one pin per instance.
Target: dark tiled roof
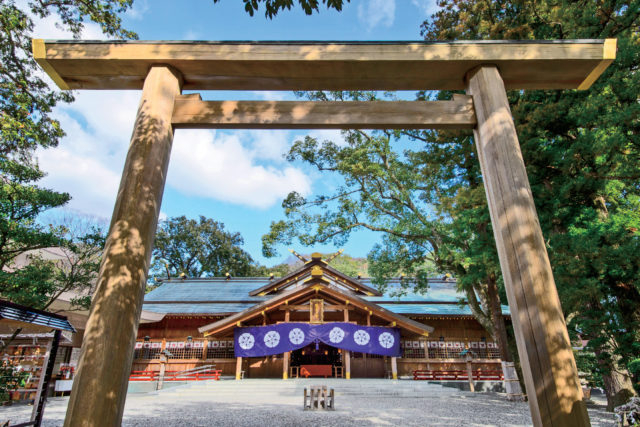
(221, 295)
(21, 313)
(209, 289)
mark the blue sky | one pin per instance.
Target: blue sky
(236, 177)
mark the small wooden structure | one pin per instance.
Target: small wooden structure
(318, 397)
(15, 316)
(485, 69)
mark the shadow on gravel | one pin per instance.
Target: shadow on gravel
(463, 409)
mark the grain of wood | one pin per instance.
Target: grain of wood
(100, 386)
(190, 113)
(321, 65)
(545, 351)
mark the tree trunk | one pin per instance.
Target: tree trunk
(617, 381)
(499, 327)
(511, 380)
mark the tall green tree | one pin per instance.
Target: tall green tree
(199, 248)
(582, 154)
(37, 277)
(26, 124)
(581, 151)
(408, 196)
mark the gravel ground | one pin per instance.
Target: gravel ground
(197, 407)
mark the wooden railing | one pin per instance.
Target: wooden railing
(202, 375)
(478, 375)
(451, 348)
(196, 348)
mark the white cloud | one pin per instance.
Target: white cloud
(427, 7)
(268, 144)
(49, 28)
(273, 95)
(89, 159)
(245, 167)
(377, 12)
(219, 166)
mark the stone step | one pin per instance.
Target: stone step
(296, 387)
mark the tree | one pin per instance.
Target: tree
(581, 152)
(346, 264)
(26, 102)
(198, 249)
(272, 7)
(26, 99)
(428, 204)
(37, 277)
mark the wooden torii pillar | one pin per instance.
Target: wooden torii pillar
(486, 69)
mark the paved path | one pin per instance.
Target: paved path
(267, 403)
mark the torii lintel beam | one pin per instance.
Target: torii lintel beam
(191, 112)
(304, 65)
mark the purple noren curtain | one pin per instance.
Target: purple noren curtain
(274, 339)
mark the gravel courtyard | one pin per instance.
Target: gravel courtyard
(264, 403)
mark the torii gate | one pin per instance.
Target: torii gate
(162, 69)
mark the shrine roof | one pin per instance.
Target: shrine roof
(218, 295)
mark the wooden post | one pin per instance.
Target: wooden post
(394, 368)
(347, 363)
(205, 347)
(238, 368)
(549, 369)
(163, 367)
(100, 387)
(45, 377)
(470, 375)
(285, 365)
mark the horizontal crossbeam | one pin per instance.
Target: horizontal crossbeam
(190, 112)
(305, 65)
(307, 307)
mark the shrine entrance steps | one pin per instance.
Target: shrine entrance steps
(295, 388)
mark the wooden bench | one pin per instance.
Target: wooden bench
(317, 398)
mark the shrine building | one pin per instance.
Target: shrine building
(315, 321)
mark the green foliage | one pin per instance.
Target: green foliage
(582, 154)
(21, 202)
(40, 275)
(346, 264)
(587, 363)
(11, 378)
(272, 7)
(26, 99)
(426, 200)
(26, 124)
(277, 270)
(198, 249)
(26, 103)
